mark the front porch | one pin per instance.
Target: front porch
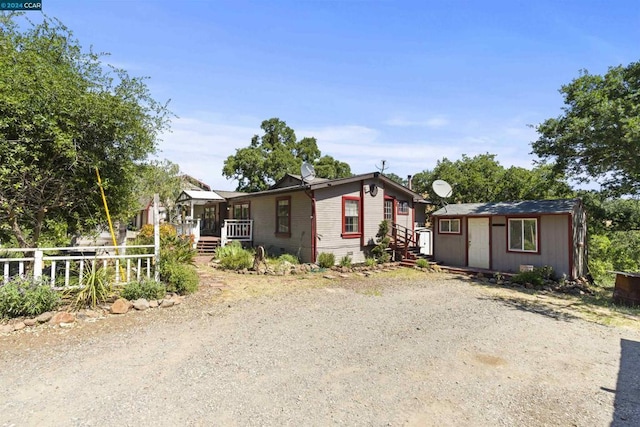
(240, 230)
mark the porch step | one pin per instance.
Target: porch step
(207, 245)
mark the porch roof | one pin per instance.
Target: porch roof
(199, 197)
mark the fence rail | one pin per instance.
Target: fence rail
(237, 229)
(75, 263)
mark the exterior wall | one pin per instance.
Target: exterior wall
(263, 213)
(373, 207)
(329, 221)
(403, 220)
(553, 240)
(450, 249)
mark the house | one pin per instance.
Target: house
(306, 218)
(509, 236)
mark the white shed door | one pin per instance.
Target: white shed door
(478, 249)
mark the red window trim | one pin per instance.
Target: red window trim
(521, 217)
(450, 232)
(279, 233)
(351, 235)
(400, 203)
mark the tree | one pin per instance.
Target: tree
(63, 114)
(598, 135)
(482, 179)
(271, 156)
(162, 177)
(396, 178)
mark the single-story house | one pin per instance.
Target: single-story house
(505, 236)
(306, 218)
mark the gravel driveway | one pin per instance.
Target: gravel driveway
(434, 350)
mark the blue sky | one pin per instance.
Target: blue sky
(410, 82)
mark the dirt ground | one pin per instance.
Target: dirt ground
(398, 348)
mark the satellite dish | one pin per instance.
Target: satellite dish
(373, 190)
(442, 188)
(307, 172)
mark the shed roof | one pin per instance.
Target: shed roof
(509, 208)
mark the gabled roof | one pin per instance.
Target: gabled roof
(296, 178)
(509, 208)
(319, 183)
(202, 196)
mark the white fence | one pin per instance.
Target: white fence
(237, 229)
(64, 267)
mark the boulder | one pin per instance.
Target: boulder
(62, 317)
(45, 317)
(141, 304)
(120, 306)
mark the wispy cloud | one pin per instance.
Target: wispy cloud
(435, 122)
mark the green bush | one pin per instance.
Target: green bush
(326, 260)
(383, 240)
(147, 289)
(234, 257)
(180, 278)
(533, 277)
(345, 261)
(95, 288)
(24, 298)
(292, 259)
(370, 262)
(422, 263)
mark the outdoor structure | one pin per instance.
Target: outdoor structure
(509, 237)
(306, 218)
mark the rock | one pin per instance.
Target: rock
(328, 276)
(141, 304)
(153, 304)
(167, 303)
(19, 326)
(120, 306)
(44, 317)
(344, 276)
(62, 317)
(30, 322)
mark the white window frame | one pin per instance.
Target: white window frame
(536, 234)
(448, 229)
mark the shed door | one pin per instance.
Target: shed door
(478, 242)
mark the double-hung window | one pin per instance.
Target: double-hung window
(403, 208)
(283, 216)
(351, 217)
(523, 234)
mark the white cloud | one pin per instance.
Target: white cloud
(435, 122)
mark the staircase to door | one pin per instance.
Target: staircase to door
(404, 243)
(207, 245)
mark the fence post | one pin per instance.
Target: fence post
(223, 234)
(156, 236)
(37, 264)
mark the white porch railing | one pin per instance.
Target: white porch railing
(237, 229)
(73, 263)
(189, 227)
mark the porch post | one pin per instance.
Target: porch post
(37, 264)
(156, 236)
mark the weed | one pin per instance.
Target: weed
(422, 263)
(345, 261)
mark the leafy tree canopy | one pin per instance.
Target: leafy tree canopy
(482, 179)
(396, 178)
(63, 113)
(598, 135)
(162, 177)
(271, 156)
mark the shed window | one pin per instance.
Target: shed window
(350, 217)
(450, 226)
(283, 216)
(523, 234)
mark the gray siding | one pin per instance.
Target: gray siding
(450, 249)
(373, 207)
(329, 223)
(263, 213)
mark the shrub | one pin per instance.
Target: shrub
(234, 257)
(180, 278)
(532, 277)
(292, 259)
(24, 298)
(546, 272)
(148, 289)
(345, 261)
(95, 288)
(326, 260)
(383, 240)
(370, 262)
(422, 263)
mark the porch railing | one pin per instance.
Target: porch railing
(237, 229)
(70, 265)
(189, 227)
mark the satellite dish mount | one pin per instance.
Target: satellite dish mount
(307, 172)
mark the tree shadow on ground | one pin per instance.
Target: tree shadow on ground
(546, 308)
(627, 392)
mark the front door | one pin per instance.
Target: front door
(478, 242)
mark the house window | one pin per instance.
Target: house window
(403, 208)
(388, 210)
(283, 216)
(449, 226)
(350, 217)
(523, 234)
(241, 211)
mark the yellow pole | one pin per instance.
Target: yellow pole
(106, 208)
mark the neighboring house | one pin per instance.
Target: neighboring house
(505, 236)
(339, 216)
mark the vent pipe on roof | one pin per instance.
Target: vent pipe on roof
(409, 183)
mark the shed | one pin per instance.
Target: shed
(505, 236)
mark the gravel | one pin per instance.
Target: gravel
(436, 350)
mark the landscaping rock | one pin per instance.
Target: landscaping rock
(120, 306)
(153, 304)
(30, 322)
(45, 317)
(167, 303)
(5, 329)
(18, 326)
(62, 317)
(141, 304)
